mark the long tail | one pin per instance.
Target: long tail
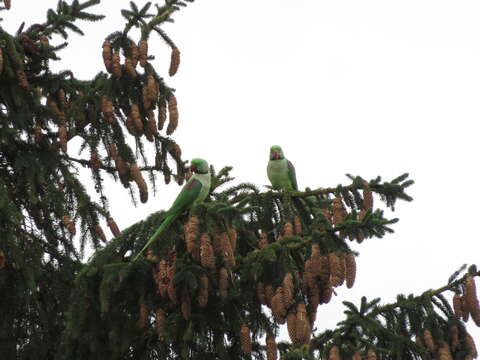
(166, 222)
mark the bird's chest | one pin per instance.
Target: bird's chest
(278, 172)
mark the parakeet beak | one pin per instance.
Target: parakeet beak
(193, 168)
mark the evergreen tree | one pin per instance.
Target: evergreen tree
(225, 276)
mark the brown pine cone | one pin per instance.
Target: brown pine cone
(444, 352)
(173, 114)
(162, 114)
(223, 283)
(186, 305)
(326, 294)
(142, 185)
(143, 52)
(207, 256)
(227, 251)
(22, 79)
(62, 137)
(288, 290)
(174, 61)
(134, 52)
(62, 99)
(160, 324)
(107, 109)
(116, 67)
(350, 269)
(302, 324)
(260, 290)
(95, 162)
(263, 242)
(137, 120)
(232, 236)
(334, 353)
(130, 69)
(143, 316)
(454, 337)
(3, 259)
(172, 292)
(367, 197)
(278, 307)
(339, 212)
(471, 299)
(336, 278)
(245, 339)
(99, 232)
(313, 302)
(271, 347)
(69, 224)
(152, 88)
(38, 134)
(107, 55)
(288, 229)
(466, 313)
(202, 297)
(471, 345)
(292, 326)
(269, 294)
(113, 227)
(357, 355)
(297, 224)
(457, 305)
(371, 355)
(428, 340)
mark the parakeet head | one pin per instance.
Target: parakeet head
(199, 166)
(276, 153)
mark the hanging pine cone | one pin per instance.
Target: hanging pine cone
(134, 52)
(99, 232)
(162, 114)
(466, 313)
(3, 259)
(22, 79)
(107, 109)
(142, 185)
(152, 89)
(186, 305)
(172, 292)
(357, 355)
(444, 352)
(129, 68)
(371, 355)
(339, 212)
(245, 339)
(350, 269)
(227, 251)
(334, 353)
(288, 290)
(116, 67)
(260, 290)
(297, 223)
(334, 262)
(113, 227)
(263, 242)
(207, 256)
(143, 52)
(288, 229)
(454, 337)
(62, 99)
(172, 114)
(107, 55)
(223, 283)
(38, 134)
(95, 162)
(202, 297)
(232, 236)
(151, 122)
(143, 316)
(271, 347)
(279, 310)
(326, 294)
(428, 340)
(292, 326)
(471, 300)
(471, 345)
(269, 294)
(62, 137)
(367, 197)
(302, 324)
(160, 324)
(69, 224)
(174, 61)
(137, 120)
(457, 305)
(163, 277)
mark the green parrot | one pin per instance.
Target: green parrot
(280, 171)
(193, 192)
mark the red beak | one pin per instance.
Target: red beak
(193, 168)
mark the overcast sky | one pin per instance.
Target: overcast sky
(362, 87)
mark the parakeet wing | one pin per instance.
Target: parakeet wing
(292, 175)
(187, 196)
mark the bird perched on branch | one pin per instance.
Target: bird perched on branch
(280, 171)
(193, 192)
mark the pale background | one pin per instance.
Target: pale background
(361, 87)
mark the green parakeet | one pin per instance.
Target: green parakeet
(280, 171)
(193, 192)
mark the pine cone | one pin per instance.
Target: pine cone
(471, 345)
(288, 229)
(116, 67)
(336, 278)
(186, 306)
(207, 256)
(269, 294)
(173, 114)
(334, 353)
(142, 185)
(263, 242)
(113, 227)
(326, 294)
(22, 79)
(152, 88)
(466, 313)
(62, 99)
(260, 289)
(160, 324)
(107, 110)
(223, 283)
(107, 55)
(162, 114)
(99, 232)
(95, 162)
(271, 347)
(245, 340)
(232, 236)
(202, 297)
(324, 269)
(130, 68)
(339, 212)
(315, 261)
(302, 325)
(134, 52)
(297, 223)
(227, 251)
(454, 337)
(69, 224)
(371, 355)
(137, 120)
(350, 269)
(357, 356)
(143, 316)
(172, 292)
(3, 259)
(44, 40)
(288, 290)
(313, 302)
(174, 61)
(367, 197)
(63, 137)
(292, 326)
(143, 52)
(457, 305)
(428, 340)
(278, 307)
(444, 352)
(471, 300)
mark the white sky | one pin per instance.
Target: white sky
(362, 87)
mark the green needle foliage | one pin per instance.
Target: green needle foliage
(226, 275)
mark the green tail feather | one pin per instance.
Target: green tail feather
(166, 222)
